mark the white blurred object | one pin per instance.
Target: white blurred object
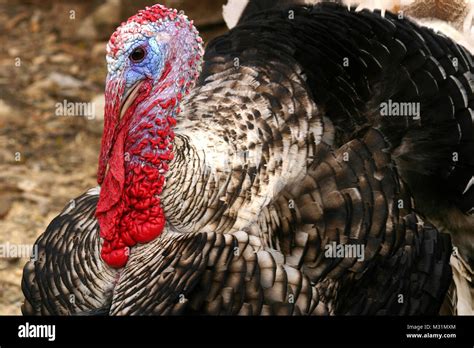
(383, 5)
(232, 11)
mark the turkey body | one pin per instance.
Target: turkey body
(281, 154)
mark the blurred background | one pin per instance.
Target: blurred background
(52, 51)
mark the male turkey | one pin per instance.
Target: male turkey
(280, 159)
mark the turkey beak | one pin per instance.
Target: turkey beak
(129, 96)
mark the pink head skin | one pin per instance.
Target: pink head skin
(153, 60)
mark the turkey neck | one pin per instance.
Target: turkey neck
(197, 193)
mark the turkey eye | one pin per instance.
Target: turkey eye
(137, 55)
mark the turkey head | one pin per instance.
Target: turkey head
(153, 60)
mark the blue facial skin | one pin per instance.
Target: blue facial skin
(150, 67)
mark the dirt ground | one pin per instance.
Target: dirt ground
(47, 57)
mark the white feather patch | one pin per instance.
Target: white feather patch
(93, 191)
(469, 184)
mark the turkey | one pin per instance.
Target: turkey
(275, 177)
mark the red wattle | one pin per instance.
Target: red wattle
(114, 257)
(129, 209)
